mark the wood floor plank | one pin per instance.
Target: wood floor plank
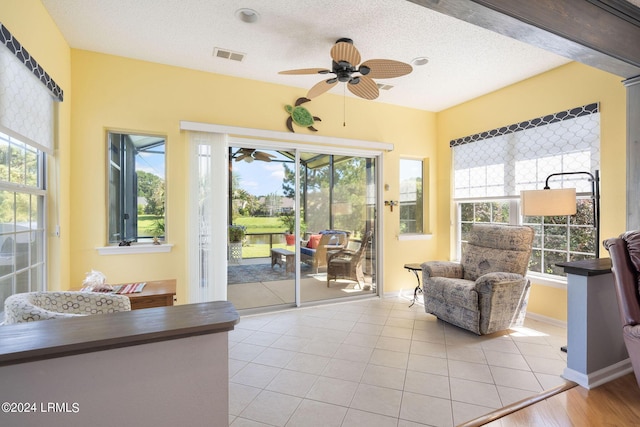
(616, 403)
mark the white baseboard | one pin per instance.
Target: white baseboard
(600, 376)
(546, 319)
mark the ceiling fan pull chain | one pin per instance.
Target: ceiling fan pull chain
(344, 106)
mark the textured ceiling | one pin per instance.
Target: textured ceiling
(464, 61)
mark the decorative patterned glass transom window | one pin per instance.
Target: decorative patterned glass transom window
(491, 168)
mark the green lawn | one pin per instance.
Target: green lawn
(146, 224)
(256, 224)
(261, 225)
(262, 250)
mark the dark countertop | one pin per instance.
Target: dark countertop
(47, 339)
(587, 267)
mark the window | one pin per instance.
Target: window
(491, 168)
(562, 238)
(136, 187)
(411, 196)
(21, 218)
(27, 95)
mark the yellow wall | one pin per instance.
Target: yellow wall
(114, 92)
(565, 87)
(32, 26)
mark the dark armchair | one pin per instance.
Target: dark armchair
(347, 264)
(625, 260)
(487, 291)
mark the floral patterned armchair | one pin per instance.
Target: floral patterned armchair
(487, 291)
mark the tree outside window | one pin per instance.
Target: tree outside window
(411, 197)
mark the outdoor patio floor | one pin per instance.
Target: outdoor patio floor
(313, 287)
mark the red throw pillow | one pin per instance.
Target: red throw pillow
(314, 241)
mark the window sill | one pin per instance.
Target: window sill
(560, 283)
(135, 249)
(414, 236)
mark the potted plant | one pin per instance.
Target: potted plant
(236, 233)
(288, 220)
(157, 230)
(236, 236)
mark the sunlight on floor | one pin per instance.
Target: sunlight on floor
(527, 332)
(380, 362)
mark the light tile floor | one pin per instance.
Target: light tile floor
(380, 363)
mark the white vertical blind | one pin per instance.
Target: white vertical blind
(207, 233)
(26, 105)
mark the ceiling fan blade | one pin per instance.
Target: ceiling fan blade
(343, 51)
(366, 88)
(306, 71)
(265, 157)
(241, 157)
(320, 88)
(386, 68)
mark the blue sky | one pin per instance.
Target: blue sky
(260, 178)
(152, 163)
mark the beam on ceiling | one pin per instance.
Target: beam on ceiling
(597, 33)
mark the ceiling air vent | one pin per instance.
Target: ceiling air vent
(382, 86)
(228, 54)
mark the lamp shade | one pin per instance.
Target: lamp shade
(548, 202)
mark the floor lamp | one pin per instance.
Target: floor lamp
(558, 202)
(548, 202)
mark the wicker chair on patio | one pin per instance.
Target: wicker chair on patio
(347, 264)
(314, 251)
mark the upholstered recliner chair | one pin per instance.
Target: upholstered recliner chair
(32, 306)
(625, 260)
(487, 291)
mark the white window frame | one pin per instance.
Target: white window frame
(402, 203)
(17, 232)
(27, 116)
(505, 151)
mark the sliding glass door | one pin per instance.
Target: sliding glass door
(338, 199)
(261, 260)
(300, 224)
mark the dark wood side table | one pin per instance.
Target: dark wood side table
(415, 268)
(157, 293)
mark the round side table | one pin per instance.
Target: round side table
(416, 269)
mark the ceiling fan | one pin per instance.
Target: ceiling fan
(345, 59)
(251, 154)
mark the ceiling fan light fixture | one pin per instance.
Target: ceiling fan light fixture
(345, 59)
(247, 15)
(419, 61)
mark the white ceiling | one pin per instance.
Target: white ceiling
(464, 61)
